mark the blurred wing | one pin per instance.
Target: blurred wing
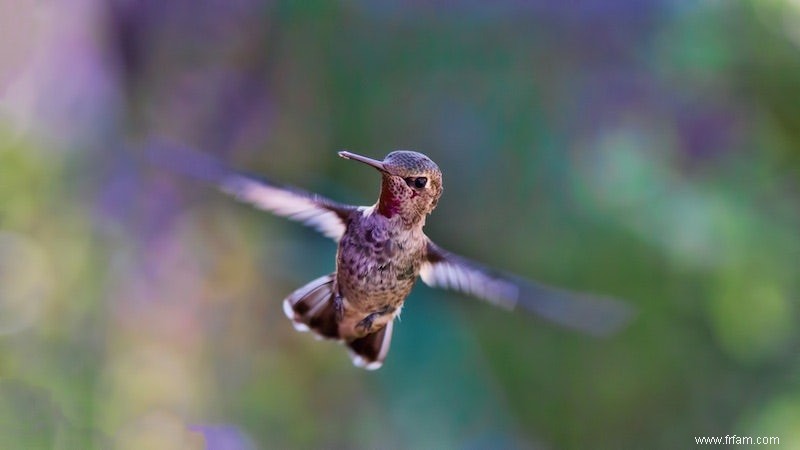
(595, 315)
(327, 216)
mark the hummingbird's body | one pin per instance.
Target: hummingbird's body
(383, 250)
(376, 266)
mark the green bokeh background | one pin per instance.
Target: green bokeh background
(645, 149)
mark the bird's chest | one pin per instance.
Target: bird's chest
(377, 264)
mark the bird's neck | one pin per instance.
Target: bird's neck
(395, 202)
(389, 205)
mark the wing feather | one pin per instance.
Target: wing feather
(589, 313)
(326, 216)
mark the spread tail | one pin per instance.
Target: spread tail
(311, 308)
(369, 351)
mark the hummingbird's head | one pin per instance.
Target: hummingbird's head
(412, 183)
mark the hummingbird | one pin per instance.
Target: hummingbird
(382, 250)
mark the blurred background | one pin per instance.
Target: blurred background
(645, 149)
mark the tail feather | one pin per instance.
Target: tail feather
(310, 308)
(369, 351)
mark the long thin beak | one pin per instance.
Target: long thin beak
(363, 159)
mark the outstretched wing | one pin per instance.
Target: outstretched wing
(592, 314)
(327, 216)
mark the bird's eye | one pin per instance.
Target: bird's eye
(418, 182)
